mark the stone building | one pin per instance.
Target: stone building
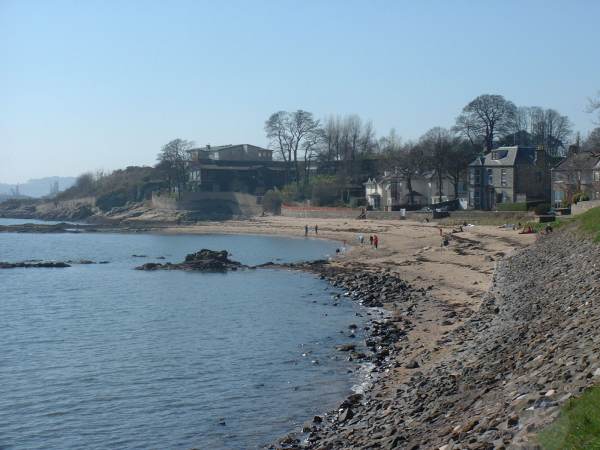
(578, 172)
(509, 175)
(390, 192)
(234, 168)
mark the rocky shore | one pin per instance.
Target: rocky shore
(492, 381)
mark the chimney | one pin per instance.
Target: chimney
(540, 154)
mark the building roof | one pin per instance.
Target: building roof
(506, 156)
(580, 161)
(218, 148)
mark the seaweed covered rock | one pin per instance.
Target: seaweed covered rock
(204, 260)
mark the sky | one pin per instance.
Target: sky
(99, 85)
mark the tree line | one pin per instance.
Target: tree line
(486, 122)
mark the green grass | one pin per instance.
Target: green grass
(512, 207)
(578, 426)
(589, 222)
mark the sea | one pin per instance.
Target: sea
(102, 356)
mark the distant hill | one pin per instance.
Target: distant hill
(38, 187)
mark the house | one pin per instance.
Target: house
(509, 175)
(390, 191)
(234, 168)
(578, 172)
(239, 152)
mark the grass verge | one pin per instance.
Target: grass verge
(589, 222)
(578, 426)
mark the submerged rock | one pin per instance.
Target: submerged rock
(30, 264)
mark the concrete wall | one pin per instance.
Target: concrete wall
(582, 207)
(315, 212)
(217, 204)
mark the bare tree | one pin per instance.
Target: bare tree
(460, 154)
(437, 144)
(594, 105)
(289, 132)
(410, 162)
(592, 142)
(173, 160)
(277, 128)
(533, 125)
(485, 118)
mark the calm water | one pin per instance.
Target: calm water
(103, 356)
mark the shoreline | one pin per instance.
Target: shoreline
(441, 289)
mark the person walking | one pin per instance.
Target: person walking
(371, 240)
(305, 230)
(316, 229)
(375, 241)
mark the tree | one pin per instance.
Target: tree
(437, 144)
(592, 142)
(594, 105)
(460, 155)
(173, 162)
(485, 118)
(411, 162)
(290, 133)
(538, 126)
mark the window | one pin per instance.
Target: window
(490, 176)
(597, 175)
(503, 181)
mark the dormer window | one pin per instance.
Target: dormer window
(499, 154)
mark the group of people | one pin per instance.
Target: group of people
(373, 240)
(306, 230)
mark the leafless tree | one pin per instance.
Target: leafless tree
(592, 142)
(172, 159)
(289, 132)
(460, 154)
(594, 105)
(437, 144)
(533, 125)
(485, 118)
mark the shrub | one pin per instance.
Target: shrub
(111, 200)
(272, 201)
(542, 209)
(325, 191)
(512, 206)
(292, 193)
(580, 197)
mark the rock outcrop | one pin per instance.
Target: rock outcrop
(204, 260)
(34, 264)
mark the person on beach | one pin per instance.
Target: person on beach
(375, 241)
(361, 239)
(305, 230)
(371, 240)
(316, 229)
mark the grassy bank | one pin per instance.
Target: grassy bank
(589, 222)
(578, 426)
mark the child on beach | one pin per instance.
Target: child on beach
(375, 241)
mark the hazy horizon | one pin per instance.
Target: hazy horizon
(94, 85)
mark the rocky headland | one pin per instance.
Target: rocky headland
(494, 378)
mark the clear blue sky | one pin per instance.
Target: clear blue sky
(88, 85)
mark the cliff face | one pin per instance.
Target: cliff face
(534, 343)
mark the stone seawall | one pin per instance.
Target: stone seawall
(581, 207)
(533, 344)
